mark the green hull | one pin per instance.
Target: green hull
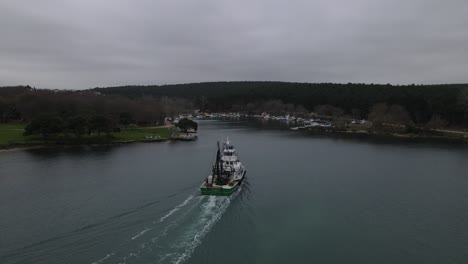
(218, 191)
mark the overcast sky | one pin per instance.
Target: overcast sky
(75, 44)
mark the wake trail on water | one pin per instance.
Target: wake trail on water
(104, 258)
(101, 223)
(173, 237)
(177, 208)
(171, 212)
(140, 249)
(211, 211)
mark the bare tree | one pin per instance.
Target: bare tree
(250, 108)
(273, 106)
(436, 122)
(328, 110)
(378, 114)
(356, 113)
(463, 101)
(381, 114)
(397, 114)
(301, 111)
(3, 109)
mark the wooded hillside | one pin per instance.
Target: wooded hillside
(421, 101)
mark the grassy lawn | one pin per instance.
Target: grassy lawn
(141, 133)
(16, 126)
(13, 134)
(11, 137)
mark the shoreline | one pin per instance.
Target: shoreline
(14, 147)
(8, 148)
(128, 135)
(444, 136)
(410, 137)
(435, 135)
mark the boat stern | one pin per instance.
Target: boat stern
(218, 190)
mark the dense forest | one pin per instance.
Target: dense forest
(422, 102)
(148, 105)
(23, 104)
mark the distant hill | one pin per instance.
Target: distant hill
(421, 101)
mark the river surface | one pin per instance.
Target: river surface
(307, 199)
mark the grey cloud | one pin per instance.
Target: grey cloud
(81, 44)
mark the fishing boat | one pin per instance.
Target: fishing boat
(227, 172)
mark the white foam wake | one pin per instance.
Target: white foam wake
(104, 258)
(141, 233)
(171, 212)
(175, 222)
(211, 212)
(175, 209)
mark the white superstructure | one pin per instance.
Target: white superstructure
(227, 173)
(230, 161)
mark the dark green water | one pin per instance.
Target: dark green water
(307, 199)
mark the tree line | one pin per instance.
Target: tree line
(52, 125)
(24, 104)
(423, 103)
(420, 105)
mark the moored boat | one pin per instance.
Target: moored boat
(227, 173)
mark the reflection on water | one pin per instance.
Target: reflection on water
(71, 151)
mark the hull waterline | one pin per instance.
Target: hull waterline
(219, 191)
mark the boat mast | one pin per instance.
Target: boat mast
(217, 165)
